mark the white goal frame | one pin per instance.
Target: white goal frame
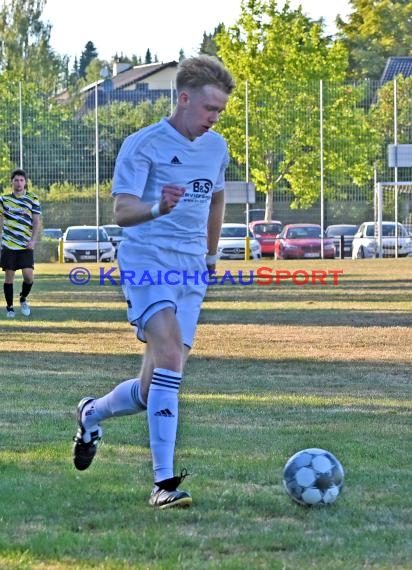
(404, 187)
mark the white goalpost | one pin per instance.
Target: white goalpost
(392, 196)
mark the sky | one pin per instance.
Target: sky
(130, 27)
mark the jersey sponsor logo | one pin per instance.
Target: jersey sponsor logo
(175, 160)
(201, 185)
(198, 190)
(17, 211)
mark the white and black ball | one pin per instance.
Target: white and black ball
(313, 477)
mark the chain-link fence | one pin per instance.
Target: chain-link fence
(311, 152)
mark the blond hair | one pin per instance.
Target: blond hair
(196, 72)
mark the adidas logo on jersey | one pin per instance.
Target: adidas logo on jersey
(165, 413)
(175, 160)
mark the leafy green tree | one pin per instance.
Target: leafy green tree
(56, 146)
(375, 31)
(382, 115)
(95, 70)
(116, 122)
(5, 167)
(282, 57)
(208, 45)
(25, 49)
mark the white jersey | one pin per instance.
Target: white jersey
(159, 155)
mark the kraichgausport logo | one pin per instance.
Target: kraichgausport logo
(263, 276)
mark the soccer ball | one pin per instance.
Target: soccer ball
(313, 477)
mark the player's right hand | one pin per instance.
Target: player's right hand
(170, 197)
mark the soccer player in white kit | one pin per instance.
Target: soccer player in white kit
(168, 188)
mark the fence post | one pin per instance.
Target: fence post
(61, 252)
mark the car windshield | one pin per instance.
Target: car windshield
(388, 230)
(85, 234)
(341, 231)
(309, 232)
(256, 214)
(267, 228)
(234, 232)
(114, 231)
(52, 233)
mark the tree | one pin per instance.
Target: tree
(94, 71)
(133, 60)
(118, 120)
(375, 31)
(148, 56)
(88, 54)
(382, 115)
(25, 45)
(48, 129)
(282, 57)
(208, 45)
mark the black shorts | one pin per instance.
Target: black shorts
(16, 259)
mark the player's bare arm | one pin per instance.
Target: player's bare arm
(129, 210)
(35, 231)
(216, 214)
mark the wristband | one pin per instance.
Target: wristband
(211, 259)
(155, 210)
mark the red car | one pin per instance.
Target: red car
(265, 233)
(303, 241)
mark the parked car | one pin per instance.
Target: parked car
(53, 233)
(408, 228)
(366, 244)
(80, 244)
(265, 233)
(115, 234)
(303, 241)
(337, 231)
(255, 214)
(232, 242)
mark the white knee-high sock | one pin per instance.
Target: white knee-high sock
(162, 414)
(123, 400)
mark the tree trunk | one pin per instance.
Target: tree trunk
(269, 205)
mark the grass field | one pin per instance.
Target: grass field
(274, 369)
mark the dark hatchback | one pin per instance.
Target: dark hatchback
(336, 232)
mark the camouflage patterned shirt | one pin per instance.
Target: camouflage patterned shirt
(17, 216)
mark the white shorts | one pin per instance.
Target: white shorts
(153, 278)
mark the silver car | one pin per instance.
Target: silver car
(80, 244)
(115, 234)
(232, 242)
(366, 243)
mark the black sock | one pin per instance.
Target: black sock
(25, 290)
(8, 293)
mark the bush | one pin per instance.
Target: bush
(46, 250)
